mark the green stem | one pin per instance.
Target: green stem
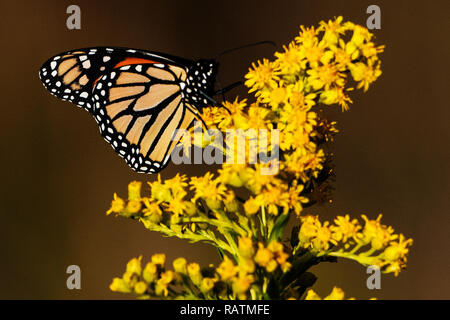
(263, 226)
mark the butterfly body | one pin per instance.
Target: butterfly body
(138, 98)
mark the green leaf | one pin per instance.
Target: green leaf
(278, 228)
(220, 252)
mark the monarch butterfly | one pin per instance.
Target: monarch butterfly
(138, 98)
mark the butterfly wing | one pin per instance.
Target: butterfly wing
(135, 96)
(71, 75)
(138, 108)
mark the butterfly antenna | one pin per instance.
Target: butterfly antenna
(228, 88)
(214, 102)
(221, 90)
(245, 46)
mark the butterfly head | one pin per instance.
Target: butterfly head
(200, 83)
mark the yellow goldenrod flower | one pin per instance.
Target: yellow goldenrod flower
(226, 269)
(177, 185)
(160, 191)
(295, 198)
(245, 209)
(291, 61)
(117, 205)
(376, 234)
(360, 35)
(333, 29)
(152, 211)
(325, 77)
(231, 204)
(208, 188)
(397, 249)
(336, 95)
(176, 206)
(265, 258)
(299, 98)
(261, 75)
(344, 228)
(307, 36)
(246, 249)
(364, 74)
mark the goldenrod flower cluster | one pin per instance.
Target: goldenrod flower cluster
(370, 244)
(336, 294)
(242, 210)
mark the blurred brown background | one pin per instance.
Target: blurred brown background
(59, 175)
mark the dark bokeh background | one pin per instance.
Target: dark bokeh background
(58, 174)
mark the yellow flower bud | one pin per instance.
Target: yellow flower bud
(277, 96)
(152, 212)
(179, 265)
(245, 245)
(140, 287)
(275, 247)
(247, 266)
(134, 190)
(134, 266)
(240, 122)
(161, 288)
(207, 284)
(233, 179)
(150, 272)
(232, 205)
(161, 192)
(251, 206)
(245, 175)
(392, 253)
(213, 204)
(242, 284)
(190, 208)
(133, 206)
(194, 273)
(271, 266)
(336, 294)
(119, 285)
(159, 259)
(174, 220)
(130, 278)
(311, 295)
(264, 258)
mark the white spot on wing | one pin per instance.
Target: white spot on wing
(86, 64)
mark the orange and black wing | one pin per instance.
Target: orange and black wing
(139, 108)
(138, 98)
